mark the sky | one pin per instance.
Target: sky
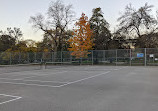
(16, 13)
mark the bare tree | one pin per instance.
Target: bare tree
(157, 15)
(136, 21)
(59, 16)
(156, 29)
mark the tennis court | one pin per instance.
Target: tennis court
(37, 87)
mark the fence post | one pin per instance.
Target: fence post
(70, 57)
(130, 57)
(19, 57)
(28, 57)
(52, 56)
(104, 55)
(92, 57)
(145, 57)
(116, 57)
(10, 58)
(80, 59)
(61, 56)
(43, 57)
(35, 54)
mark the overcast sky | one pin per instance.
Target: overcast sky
(16, 13)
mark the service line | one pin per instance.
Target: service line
(16, 98)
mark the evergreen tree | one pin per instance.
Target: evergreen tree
(100, 27)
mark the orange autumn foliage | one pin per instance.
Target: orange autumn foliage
(82, 40)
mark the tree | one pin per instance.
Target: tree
(100, 29)
(24, 46)
(63, 43)
(157, 16)
(44, 45)
(82, 40)
(156, 29)
(59, 16)
(31, 45)
(15, 33)
(118, 41)
(9, 38)
(147, 41)
(6, 42)
(136, 22)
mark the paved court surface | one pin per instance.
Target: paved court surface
(80, 88)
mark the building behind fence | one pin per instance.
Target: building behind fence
(127, 57)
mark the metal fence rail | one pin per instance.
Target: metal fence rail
(127, 57)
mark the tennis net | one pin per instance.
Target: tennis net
(20, 67)
(76, 66)
(53, 65)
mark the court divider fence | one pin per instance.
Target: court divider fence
(125, 57)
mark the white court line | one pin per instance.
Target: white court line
(59, 85)
(19, 74)
(63, 84)
(16, 74)
(14, 83)
(19, 71)
(34, 76)
(10, 73)
(89, 77)
(120, 68)
(85, 79)
(32, 80)
(42, 75)
(85, 69)
(16, 98)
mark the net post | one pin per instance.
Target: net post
(43, 65)
(145, 60)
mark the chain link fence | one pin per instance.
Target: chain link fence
(126, 57)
